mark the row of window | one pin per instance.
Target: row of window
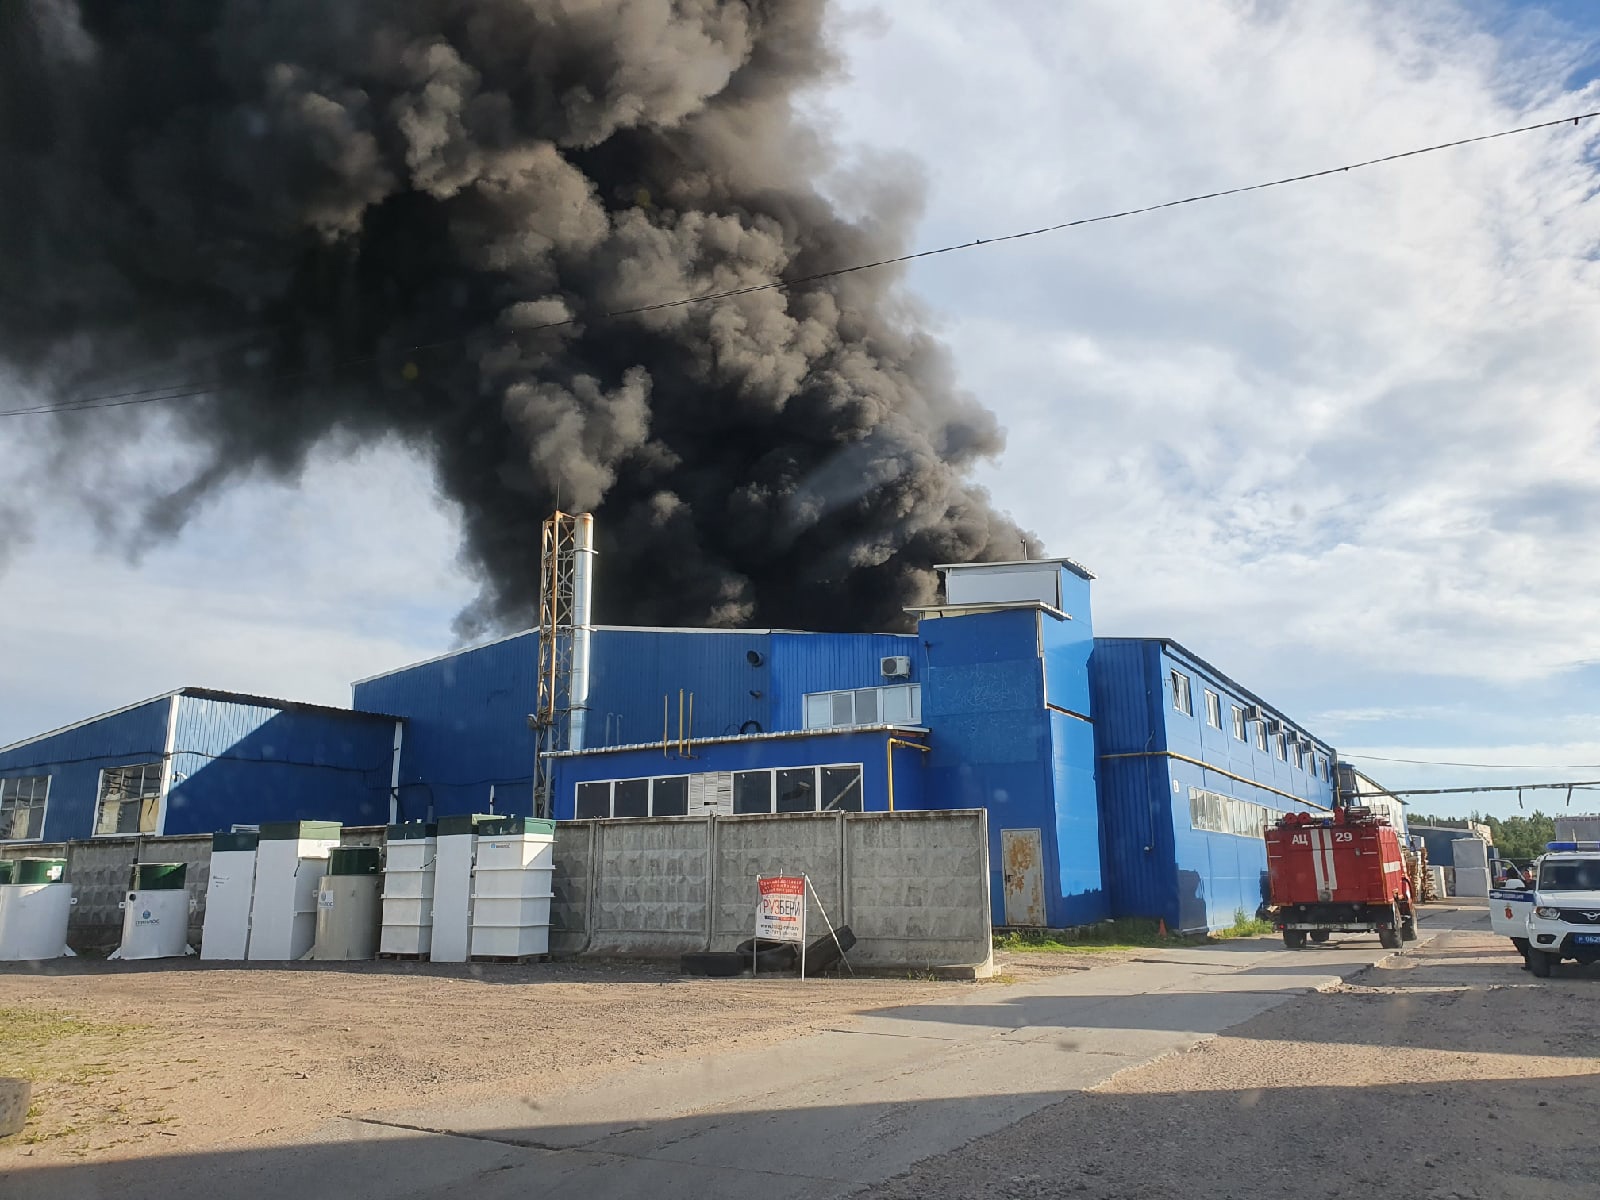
(129, 801)
(781, 790)
(897, 704)
(1287, 747)
(1216, 813)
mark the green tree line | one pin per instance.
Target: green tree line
(1517, 838)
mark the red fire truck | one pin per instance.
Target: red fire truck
(1342, 873)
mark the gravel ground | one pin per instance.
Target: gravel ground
(1445, 1073)
(148, 1058)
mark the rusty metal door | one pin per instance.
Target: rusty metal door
(1021, 852)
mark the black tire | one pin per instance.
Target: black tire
(1408, 929)
(823, 953)
(1294, 939)
(716, 964)
(1320, 935)
(1541, 963)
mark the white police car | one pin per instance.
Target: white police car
(1558, 917)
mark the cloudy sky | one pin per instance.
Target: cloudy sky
(1339, 438)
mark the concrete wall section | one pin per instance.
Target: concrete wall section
(912, 886)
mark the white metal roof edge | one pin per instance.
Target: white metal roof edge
(115, 712)
(978, 606)
(423, 662)
(768, 736)
(1071, 564)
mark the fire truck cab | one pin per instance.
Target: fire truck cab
(1558, 916)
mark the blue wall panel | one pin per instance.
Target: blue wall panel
(633, 669)
(466, 728)
(1079, 876)
(74, 757)
(1135, 792)
(752, 754)
(991, 741)
(243, 763)
(830, 662)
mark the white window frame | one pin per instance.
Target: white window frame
(1213, 709)
(1261, 736)
(1182, 699)
(1280, 746)
(34, 801)
(159, 766)
(913, 691)
(611, 796)
(772, 786)
(1241, 727)
(1213, 812)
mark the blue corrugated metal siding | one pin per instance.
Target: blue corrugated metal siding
(828, 662)
(241, 763)
(1135, 793)
(633, 669)
(1079, 875)
(1159, 864)
(74, 758)
(991, 747)
(466, 728)
(752, 754)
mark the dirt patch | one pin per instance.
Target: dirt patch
(1449, 1073)
(160, 1058)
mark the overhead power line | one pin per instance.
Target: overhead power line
(1519, 788)
(181, 391)
(1430, 762)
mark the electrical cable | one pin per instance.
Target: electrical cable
(181, 391)
(1429, 762)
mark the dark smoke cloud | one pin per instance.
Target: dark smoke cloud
(352, 220)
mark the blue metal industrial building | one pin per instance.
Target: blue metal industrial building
(1121, 776)
(196, 761)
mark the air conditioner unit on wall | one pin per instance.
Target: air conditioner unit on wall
(1255, 713)
(897, 666)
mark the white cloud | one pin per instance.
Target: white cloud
(275, 590)
(1352, 418)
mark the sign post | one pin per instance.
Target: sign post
(780, 914)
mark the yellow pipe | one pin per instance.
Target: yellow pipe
(888, 758)
(664, 726)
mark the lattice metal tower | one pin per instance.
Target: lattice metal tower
(565, 579)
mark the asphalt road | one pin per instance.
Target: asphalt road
(818, 1116)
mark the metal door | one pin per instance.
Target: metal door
(1022, 855)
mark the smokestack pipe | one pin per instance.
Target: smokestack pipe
(582, 630)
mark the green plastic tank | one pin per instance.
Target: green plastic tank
(40, 870)
(158, 877)
(355, 860)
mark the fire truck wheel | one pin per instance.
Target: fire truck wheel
(1295, 939)
(1541, 963)
(1408, 929)
(1320, 935)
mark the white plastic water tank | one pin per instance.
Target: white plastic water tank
(512, 888)
(34, 911)
(452, 887)
(225, 936)
(348, 913)
(155, 913)
(408, 890)
(291, 858)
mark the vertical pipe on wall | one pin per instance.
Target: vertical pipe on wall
(394, 772)
(582, 628)
(664, 711)
(166, 767)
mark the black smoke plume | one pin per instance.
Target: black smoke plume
(352, 221)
